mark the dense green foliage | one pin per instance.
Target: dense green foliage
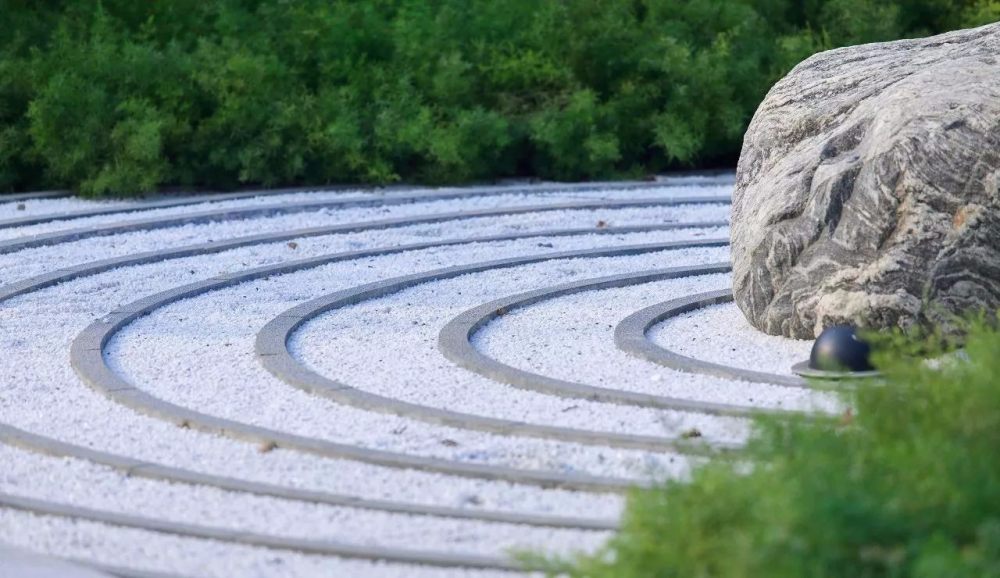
(907, 484)
(121, 96)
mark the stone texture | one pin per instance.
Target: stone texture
(867, 189)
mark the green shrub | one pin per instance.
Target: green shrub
(905, 484)
(119, 97)
(981, 12)
(15, 143)
(105, 107)
(578, 137)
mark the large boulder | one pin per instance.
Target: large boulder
(867, 189)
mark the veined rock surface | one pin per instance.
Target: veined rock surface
(867, 188)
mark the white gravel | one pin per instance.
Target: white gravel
(13, 209)
(207, 204)
(318, 196)
(76, 482)
(199, 353)
(350, 345)
(153, 551)
(19, 563)
(33, 262)
(572, 338)
(40, 383)
(157, 354)
(698, 333)
(41, 388)
(37, 207)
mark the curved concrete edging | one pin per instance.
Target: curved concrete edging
(87, 358)
(138, 468)
(67, 235)
(163, 202)
(199, 198)
(156, 471)
(74, 272)
(272, 352)
(147, 206)
(630, 337)
(47, 445)
(167, 202)
(327, 548)
(454, 342)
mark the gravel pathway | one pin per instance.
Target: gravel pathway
(173, 445)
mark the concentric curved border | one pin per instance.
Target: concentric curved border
(92, 268)
(139, 468)
(630, 337)
(87, 358)
(455, 343)
(273, 354)
(707, 180)
(216, 215)
(326, 547)
(156, 471)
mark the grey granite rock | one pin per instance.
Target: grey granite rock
(868, 187)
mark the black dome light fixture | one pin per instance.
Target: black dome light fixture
(838, 353)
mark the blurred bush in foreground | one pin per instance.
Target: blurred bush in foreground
(904, 484)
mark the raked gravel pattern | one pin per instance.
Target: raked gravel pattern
(112, 545)
(37, 207)
(178, 368)
(415, 316)
(100, 487)
(472, 202)
(693, 334)
(32, 262)
(267, 510)
(535, 339)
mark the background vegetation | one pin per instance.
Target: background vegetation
(905, 485)
(121, 96)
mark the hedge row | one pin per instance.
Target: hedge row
(119, 96)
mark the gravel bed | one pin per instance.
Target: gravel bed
(318, 196)
(97, 487)
(39, 383)
(32, 262)
(157, 353)
(572, 338)
(349, 345)
(152, 551)
(199, 353)
(696, 334)
(36, 207)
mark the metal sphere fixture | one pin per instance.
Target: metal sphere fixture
(839, 348)
(838, 353)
